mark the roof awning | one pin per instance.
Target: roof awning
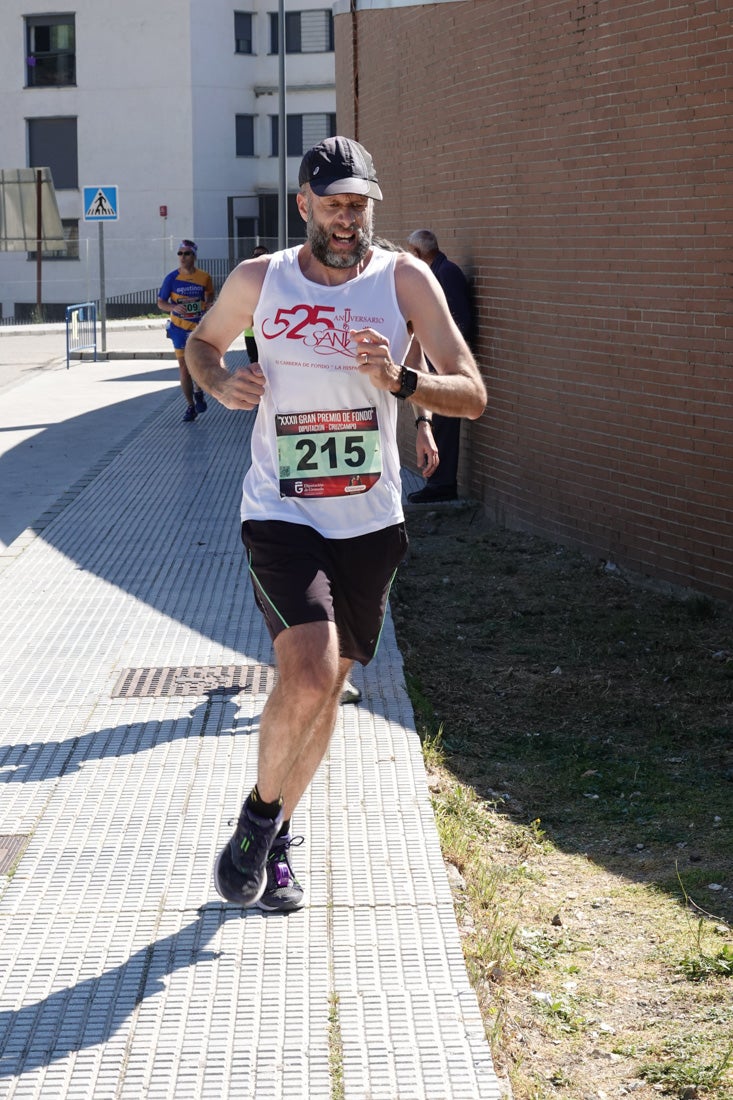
(19, 189)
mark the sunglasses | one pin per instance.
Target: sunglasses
(187, 253)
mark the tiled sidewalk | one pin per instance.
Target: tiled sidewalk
(122, 974)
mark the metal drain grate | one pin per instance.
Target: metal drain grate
(141, 683)
(11, 849)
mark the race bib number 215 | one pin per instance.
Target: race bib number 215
(333, 453)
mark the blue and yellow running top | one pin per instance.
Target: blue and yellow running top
(187, 292)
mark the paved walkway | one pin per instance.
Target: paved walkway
(133, 670)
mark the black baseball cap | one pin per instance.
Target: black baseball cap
(339, 166)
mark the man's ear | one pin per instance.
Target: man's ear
(302, 202)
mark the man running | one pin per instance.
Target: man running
(322, 519)
(186, 294)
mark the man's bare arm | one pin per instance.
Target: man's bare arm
(227, 319)
(426, 452)
(457, 389)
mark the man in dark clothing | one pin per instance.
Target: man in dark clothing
(442, 485)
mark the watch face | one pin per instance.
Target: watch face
(409, 381)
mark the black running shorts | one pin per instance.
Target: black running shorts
(300, 577)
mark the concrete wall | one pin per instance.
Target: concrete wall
(158, 85)
(226, 84)
(132, 100)
(575, 159)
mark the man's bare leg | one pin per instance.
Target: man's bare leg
(300, 714)
(295, 731)
(185, 380)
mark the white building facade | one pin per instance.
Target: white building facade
(176, 105)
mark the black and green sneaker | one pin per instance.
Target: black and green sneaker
(283, 893)
(239, 872)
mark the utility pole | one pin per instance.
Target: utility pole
(39, 245)
(282, 197)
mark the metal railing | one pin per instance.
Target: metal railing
(140, 297)
(81, 329)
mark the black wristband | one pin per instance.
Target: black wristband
(423, 420)
(408, 383)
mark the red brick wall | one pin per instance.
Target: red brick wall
(575, 159)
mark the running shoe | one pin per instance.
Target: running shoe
(190, 414)
(433, 494)
(240, 874)
(350, 693)
(199, 401)
(283, 892)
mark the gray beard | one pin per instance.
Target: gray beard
(318, 239)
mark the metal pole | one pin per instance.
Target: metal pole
(282, 197)
(39, 246)
(102, 293)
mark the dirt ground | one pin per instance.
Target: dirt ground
(583, 786)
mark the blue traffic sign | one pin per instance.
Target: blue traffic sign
(100, 204)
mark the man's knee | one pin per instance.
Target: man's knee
(308, 660)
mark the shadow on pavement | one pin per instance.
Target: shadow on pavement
(40, 469)
(91, 1011)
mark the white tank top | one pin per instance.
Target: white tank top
(324, 447)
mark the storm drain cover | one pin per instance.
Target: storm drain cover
(141, 683)
(11, 849)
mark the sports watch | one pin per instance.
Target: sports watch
(408, 383)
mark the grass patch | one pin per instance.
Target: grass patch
(335, 1049)
(577, 735)
(685, 1076)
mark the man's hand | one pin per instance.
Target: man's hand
(426, 451)
(241, 390)
(375, 359)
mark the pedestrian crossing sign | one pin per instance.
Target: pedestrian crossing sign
(100, 204)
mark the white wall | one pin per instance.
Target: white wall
(158, 86)
(135, 130)
(132, 102)
(224, 86)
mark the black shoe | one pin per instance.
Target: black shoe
(199, 401)
(283, 893)
(190, 414)
(240, 874)
(433, 495)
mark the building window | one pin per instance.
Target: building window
(302, 132)
(269, 217)
(305, 31)
(245, 128)
(52, 143)
(242, 32)
(50, 50)
(247, 233)
(70, 227)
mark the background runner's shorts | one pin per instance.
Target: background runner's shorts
(178, 335)
(298, 576)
